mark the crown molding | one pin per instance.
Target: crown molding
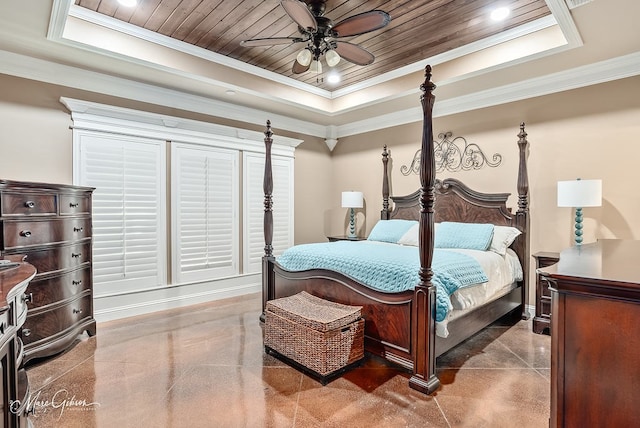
(579, 77)
(96, 116)
(49, 72)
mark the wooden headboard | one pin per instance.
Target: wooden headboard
(457, 202)
(454, 201)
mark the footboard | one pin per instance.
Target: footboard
(387, 315)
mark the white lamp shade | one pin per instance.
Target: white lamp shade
(304, 57)
(352, 199)
(316, 67)
(332, 57)
(580, 193)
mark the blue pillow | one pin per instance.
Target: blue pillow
(472, 236)
(390, 230)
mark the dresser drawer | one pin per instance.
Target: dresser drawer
(25, 233)
(75, 204)
(49, 289)
(28, 204)
(50, 323)
(61, 257)
(21, 307)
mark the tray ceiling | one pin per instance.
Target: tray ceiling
(418, 29)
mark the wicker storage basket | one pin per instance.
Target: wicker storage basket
(322, 337)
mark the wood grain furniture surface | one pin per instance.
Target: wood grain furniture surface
(401, 327)
(345, 238)
(595, 342)
(542, 319)
(14, 279)
(51, 225)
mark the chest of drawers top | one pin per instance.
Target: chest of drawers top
(19, 199)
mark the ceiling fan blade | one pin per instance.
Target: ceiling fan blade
(300, 13)
(299, 68)
(354, 53)
(361, 23)
(270, 41)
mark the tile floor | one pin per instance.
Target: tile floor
(204, 366)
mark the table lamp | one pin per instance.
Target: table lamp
(579, 194)
(352, 200)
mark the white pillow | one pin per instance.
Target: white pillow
(411, 237)
(503, 237)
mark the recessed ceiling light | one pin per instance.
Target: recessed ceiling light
(333, 78)
(500, 13)
(128, 3)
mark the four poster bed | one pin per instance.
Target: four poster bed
(401, 326)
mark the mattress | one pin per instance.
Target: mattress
(503, 272)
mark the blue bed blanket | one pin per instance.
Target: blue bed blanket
(387, 267)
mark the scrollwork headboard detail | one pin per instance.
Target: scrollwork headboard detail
(454, 155)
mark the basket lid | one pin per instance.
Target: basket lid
(314, 312)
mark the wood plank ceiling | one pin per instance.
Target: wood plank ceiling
(418, 29)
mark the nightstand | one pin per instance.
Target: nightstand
(345, 238)
(542, 320)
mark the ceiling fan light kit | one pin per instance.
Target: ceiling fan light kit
(332, 57)
(304, 57)
(320, 34)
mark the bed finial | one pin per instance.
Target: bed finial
(523, 179)
(384, 215)
(428, 85)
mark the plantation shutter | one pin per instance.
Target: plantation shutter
(205, 207)
(128, 209)
(254, 208)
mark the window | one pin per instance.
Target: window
(208, 241)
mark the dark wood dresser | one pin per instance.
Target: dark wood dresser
(51, 225)
(542, 320)
(14, 279)
(595, 335)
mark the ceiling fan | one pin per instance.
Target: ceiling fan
(320, 34)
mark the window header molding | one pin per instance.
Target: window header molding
(120, 120)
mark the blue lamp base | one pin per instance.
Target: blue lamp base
(578, 226)
(352, 224)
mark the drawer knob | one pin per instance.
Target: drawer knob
(78, 229)
(25, 233)
(77, 311)
(73, 204)
(76, 255)
(74, 282)
(29, 204)
(26, 332)
(27, 298)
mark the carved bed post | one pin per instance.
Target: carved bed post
(268, 258)
(384, 214)
(522, 215)
(423, 322)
